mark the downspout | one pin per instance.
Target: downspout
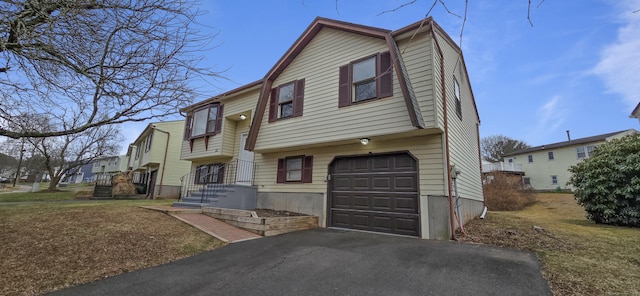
(164, 161)
(446, 135)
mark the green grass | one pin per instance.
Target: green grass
(37, 196)
(52, 245)
(578, 256)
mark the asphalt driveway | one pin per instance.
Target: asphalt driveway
(334, 262)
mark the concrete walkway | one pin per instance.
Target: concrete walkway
(214, 227)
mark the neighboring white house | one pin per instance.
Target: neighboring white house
(154, 157)
(546, 167)
(109, 165)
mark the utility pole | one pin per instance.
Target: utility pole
(15, 180)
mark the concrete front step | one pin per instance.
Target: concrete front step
(189, 205)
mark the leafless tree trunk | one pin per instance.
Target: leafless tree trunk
(63, 154)
(88, 63)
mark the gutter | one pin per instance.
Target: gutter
(164, 161)
(446, 133)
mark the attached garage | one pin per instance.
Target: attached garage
(376, 192)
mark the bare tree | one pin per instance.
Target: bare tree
(62, 154)
(88, 63)
(494, 147)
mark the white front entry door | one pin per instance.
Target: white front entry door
(244, 168)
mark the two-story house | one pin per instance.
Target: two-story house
(109, 165)
(367, 128)
(546, 167)
(154, 157)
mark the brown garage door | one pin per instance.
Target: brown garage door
(375, 193)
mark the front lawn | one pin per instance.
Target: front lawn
(578, 257)
(37, 196)
(49, 246)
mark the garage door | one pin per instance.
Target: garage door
(375, 193)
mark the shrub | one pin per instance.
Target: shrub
(504, 192)
(607, 184)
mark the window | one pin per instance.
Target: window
(286, 100)
(554, 179)
(293, 170)
(550, 153)
(526, 180)
(530, 157)
(584, 151)
(205, 121)
(510, 160)
(137, 151)
(209, 173)
(147, 147)
(365, 79)
(296, 169)
(456, 92)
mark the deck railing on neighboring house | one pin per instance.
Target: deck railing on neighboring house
(206, 184)
(501, 167)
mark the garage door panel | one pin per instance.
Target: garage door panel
(341, 201)
(342, 183)
(406, 183)
(360, 202)
(361, 183)
(381, 203)
(406, 204)
(404, 162)
(381, 182)
(375, 193)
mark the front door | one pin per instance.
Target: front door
(244, 168)
(152, 184)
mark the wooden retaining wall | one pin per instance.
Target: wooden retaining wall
(265, 226)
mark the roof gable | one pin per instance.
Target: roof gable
(314, 28)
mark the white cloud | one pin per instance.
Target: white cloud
(619, 64)
(551, 116)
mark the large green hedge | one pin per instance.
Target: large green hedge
(607, 184)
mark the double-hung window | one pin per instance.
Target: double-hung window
(550, 154)
(456, 93)
(295, 169)
(286, 100)
(147, 146)
(365, 79)
(530, 158)
(205, 121)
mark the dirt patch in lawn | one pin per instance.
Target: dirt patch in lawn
(578, 257)
(47, 247)
(267, 213)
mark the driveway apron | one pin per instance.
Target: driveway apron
(335, 262)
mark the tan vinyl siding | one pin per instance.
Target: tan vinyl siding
(222, 145)
(174, 168)
(437, 83)
(427, 149)
(418, 62)
(322, 121)
(463, 135)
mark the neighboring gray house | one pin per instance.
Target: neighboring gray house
(546, 167)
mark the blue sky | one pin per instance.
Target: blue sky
(577, 68)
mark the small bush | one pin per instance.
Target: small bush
(503, 192)
(607, 184)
